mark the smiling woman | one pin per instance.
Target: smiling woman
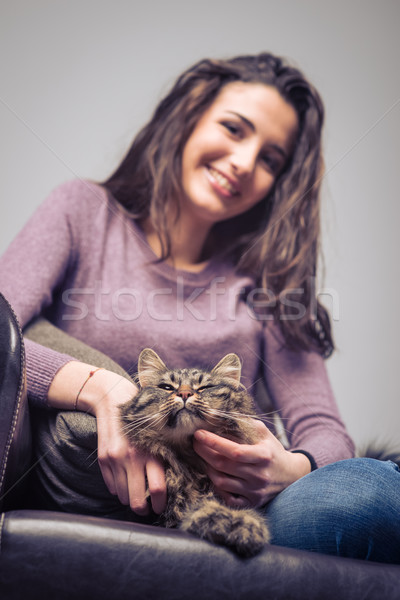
(277, 239)
(212, 219)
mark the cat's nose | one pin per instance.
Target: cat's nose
(184, 392)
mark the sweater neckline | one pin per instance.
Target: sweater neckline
(210, 270)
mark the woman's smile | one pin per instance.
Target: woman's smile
(222, 184)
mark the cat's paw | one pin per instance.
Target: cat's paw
(242, 530)
(249, 533)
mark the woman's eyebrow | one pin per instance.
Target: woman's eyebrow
(251, 125)
(244, 119)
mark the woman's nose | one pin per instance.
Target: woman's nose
(243, 161)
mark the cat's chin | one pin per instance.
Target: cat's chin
(182, 428)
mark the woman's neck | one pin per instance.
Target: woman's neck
(187, 243)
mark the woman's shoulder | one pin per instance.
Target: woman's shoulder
(77, 193)
(77, 202)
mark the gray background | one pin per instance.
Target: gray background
(79, 77)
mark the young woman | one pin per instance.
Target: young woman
(205, 241)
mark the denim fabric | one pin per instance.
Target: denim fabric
(349, 508)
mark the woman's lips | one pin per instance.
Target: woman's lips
(223, 183)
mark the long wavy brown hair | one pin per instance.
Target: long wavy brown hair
(277, 241)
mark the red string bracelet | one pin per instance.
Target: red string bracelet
(91, 373)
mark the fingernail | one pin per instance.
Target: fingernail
(199, 435)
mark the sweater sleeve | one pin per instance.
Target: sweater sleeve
(42, 364)
(301, 392)
(31, 268)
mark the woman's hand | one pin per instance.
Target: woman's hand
(249, 475)
(127, 472)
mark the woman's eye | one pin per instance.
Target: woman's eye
(270, 162)
(166, 386)
(233, 128)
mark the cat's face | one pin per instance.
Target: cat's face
(175, 403)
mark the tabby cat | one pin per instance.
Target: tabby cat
(170, 406)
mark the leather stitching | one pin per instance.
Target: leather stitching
(2, 519)
(20, 392)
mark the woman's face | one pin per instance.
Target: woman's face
(236, 151)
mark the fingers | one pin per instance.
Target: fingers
(219, 462)
(234, 500)
(224, 482)
(133, 476)
(124, 475)
(245, 453)
(128, 473)
(240, 473)
(145, 477)
(108, 477)
(156, 484)
(240, 460)
(237, 491)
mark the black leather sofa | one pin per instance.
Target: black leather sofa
(66, 556)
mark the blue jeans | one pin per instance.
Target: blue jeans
(349, 508)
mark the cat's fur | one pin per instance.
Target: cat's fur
(161, 419)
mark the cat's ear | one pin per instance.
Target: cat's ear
(229, 366)
(150, 366)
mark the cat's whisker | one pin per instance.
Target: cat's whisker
(145, 423)
(271, 413)
(90, 455)
(169, 404)
(118, 418)
(210, 422)
(241, 418)
(138, 422)
(217, 419)
(241, 414)
(267, 418)
(93, 461)
(235, 416)
(129, 428)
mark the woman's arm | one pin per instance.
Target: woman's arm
(124, 469)
(300, 390)
(37, 262)
(34, 265)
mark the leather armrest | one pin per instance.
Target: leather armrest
(15, 433)
(69, 556)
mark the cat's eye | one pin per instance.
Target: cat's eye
(166, 386)
(205, 387)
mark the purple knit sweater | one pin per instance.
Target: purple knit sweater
(85, 265)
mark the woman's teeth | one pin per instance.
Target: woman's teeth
(223, 181)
